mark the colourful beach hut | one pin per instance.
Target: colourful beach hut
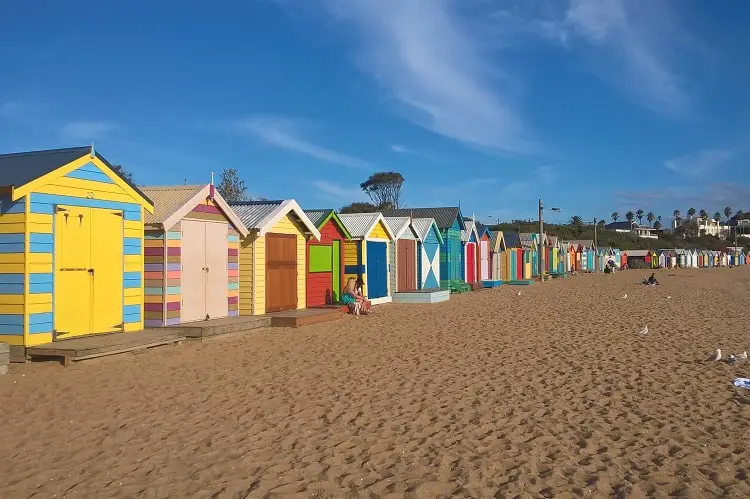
(585, 254)
(501, 267)
(325, 258)
(574, 257)
(191, 262)
(403, 255)
(485, 252)
(71, 247)
(367, 254)
(273, 264)
(663, 258)
(529, 247)
(654, 258)
(428, 263)
(623, 258)
(450, 222)
(470, 240)
(515, 255)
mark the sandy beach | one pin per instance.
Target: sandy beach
(552, 393)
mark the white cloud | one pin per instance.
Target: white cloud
(699, 162)
(422, 53)
(86, 130)
(342, 193)
(284, 133)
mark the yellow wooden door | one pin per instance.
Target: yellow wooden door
(107, 270)
(72, 278)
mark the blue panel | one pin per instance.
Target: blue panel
(234, 285)
(11, 329)
(11, 278)
(8, 206)
(45, 204)
(40, 278)
(233, 238)
(42, 327)
(41, 248)
(354, 269)
(131, 309)
(11, 320)
(132, 279)
(11, 289)
(37, 237)
(233, 266)
(41, 317)
(173, 290)
(42, 287)
(377, 270)
(131, 250)
(90, 172)
(172, 234)
(11, 238)
(12, 248)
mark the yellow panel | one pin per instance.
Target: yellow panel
(11, 299)
(38, 339)
(64, 186)
(246, 274)
(301, 271)
(11, 257)
(12, 218)
(40, 258)
(11, 309)
(40, 268)
(133, 300)
(38, 222)
(40, 298)
(133, 263)
(11, 228)
(134, 326)
(379, 232)
(15, 340)
(287, 226)
(72, 279)
(39, 182)
(130, 292)
(106, 260)
(134, 224)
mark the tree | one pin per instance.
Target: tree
(717, 216)
(123, 173)
(704, 215)
(639, 215)
(231, 187)
(727, 212)
(739, 215)
(691, 213)
(601, 224)
(615, 216)
(629, 216)
(359, 208)
(577, 223)
(384, 189)
(650, 217)
(657, 225)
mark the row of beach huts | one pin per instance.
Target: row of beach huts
(83, 251)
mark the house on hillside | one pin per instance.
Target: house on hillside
(634, 228)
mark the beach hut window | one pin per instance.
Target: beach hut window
(321, 258)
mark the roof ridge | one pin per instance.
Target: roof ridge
(43, 151)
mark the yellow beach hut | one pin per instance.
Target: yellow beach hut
(71, 247)
(366, 255)
(273, 269)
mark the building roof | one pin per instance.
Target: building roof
(17, 169)
(444, 217)
(263, 215)
(481, 229)
(585, 243)
(173, 202)
(620, 225)
(398, 225)
(470, 227)
(422, 228)
(511, 239)
(360, 225)
(319, 217)
(528, 240)
(638, 252)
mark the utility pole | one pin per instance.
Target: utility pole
(540, 246)
(595, 241)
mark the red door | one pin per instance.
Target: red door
(519, 265)
(471, 262)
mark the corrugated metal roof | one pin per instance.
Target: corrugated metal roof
(167, 200)
(397, 224)
(358, 224)
(511, 239)
(527, 239)
(444, 217)
(317, 216)
(422, 227)
(586, 243)
(493, 239)
(637, 252)
(470, 227)
(20, 168)
(253, 212)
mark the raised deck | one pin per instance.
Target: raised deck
(492, 284)
(224, 325)
(100, 345)
(422, 296)
(304, 317)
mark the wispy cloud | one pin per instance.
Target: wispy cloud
(284, 133)
(711, 196)
(424, 55)
(699, 162)
(86, 130)
(413, 152)
(339, 192)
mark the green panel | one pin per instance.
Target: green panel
(320, 258)
(336, 285)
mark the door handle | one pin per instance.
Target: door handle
(91, 271)
(67, 269)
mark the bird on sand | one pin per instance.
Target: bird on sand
(624, 297)
(644, 330)
(717, 356)
(669, 297)
(731, 359)
(519, 293)
(743, 356)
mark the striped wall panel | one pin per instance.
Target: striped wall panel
(233, 272)
(161, 279)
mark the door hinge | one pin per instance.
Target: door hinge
(58, 209)
(119, 326)
(118, 214)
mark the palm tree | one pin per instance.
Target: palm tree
(727, 212)
(615, 216)
(691, 213)
(739, 214)
(629, 216)
(639, 215)
(717, 216)
(650, 217)
(677, 215)
(577, 223)
(704, 215)
(657, 225)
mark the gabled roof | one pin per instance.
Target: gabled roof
(422, 227)
(584, 243)
(263, 215)
(528, 240)
(497, 240)
(321, 217)
(471, 226)
(444, 217)
(173, 202)
(511, 239)
(360, 225)
(482, 230)
(18, 169)
(398, 225)
(638, 252)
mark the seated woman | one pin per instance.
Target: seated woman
(651, 281)
(356, 302)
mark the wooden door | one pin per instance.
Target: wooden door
(193, 277)
(106, 270)
(471, 262)
(72, 315)
(377, 269)
(484, 248)
(336, 271)
(406, 253)
(217, 277)
(281, 272)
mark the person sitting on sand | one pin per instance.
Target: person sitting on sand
(354, 300)
(651, 281)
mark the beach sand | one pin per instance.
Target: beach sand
(549, 394)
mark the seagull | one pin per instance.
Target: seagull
(731, 359)
(669, 297)
(717, 356)
(742, 356)
(624, 297)
(644, 330)
(519, 293)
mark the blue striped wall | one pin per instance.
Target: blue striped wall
(92, 172)
(45, 204)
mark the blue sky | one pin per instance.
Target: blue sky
(595, 105)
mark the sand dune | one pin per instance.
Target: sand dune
(552, 394)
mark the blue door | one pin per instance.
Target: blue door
(377, 270)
